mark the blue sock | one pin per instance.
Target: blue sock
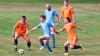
(53, 41)
(48, 47)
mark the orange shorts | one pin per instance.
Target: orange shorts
(72, 40)
(20, 34)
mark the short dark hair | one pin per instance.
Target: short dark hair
(24, 17)
(43, 16)
(65, 0)
(68, 18)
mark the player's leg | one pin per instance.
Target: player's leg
(66, 48)
(16, 41)
(45, 38)
(27, 38)
(53, 38)
(41, 42)
(48, 45)
(73, 44)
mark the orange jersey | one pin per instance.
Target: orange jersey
(72, 37)
(67, 12)
(21, 28)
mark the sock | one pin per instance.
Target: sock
(53, 41)
(15, 42)
(48, 47)
(29, 44)
(66, 48)
(77, 47)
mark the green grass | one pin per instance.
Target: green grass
(87, 18)
(43, 1)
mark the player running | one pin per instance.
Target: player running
(20, 30)
(50, 14)
(67, 11)
(72, 37)
(46, 29)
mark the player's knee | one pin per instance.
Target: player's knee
(71, 46)
(28, 41)
(39, 38)
(65, 44)
(15, 38)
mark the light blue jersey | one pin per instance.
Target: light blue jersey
(46, 28)
(50, 15)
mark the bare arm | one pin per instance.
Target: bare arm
(60, 17)
(74, 18)
(55, 30)
(61, 30)
(61, 14)
(80, 29)
(13, 31)
(57, 20)
(34, 28)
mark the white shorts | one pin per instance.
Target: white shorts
(52, 32)
(47, 35)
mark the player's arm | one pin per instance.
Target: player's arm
(55, 29)
(74, 16)
(80, 29)
(14, 30)
(34, 28)
(61, 14)
(27, 29)
(57, 16)
(61, 30)
(58, 21)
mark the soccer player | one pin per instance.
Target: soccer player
(67, 11)
(20, 30)
(72, 36)
(50, 15)
(46, 29)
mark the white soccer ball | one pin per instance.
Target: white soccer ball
(21, 51)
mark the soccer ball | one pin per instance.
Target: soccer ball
(21, 51)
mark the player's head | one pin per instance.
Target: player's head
(66, 3)
(23, 19)
(48, 7)
(67, 20)
(42, 18)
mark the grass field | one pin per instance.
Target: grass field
(43, 1)
(87, 17)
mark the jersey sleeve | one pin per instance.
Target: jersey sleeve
(55, 13)
(73, 25)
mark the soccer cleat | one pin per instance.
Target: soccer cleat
(66, 54)
(42, 47)
(28, 48)
(51, 53)
(15, 48)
